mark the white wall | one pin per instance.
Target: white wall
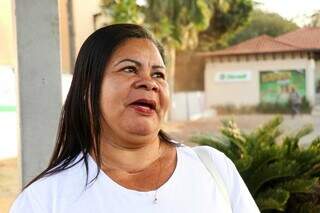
(83, 12)
(187, 106)
(317, 71)
(8, 116)
(247, 92)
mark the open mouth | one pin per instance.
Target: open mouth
(145, 104)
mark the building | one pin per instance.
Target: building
(77, 20)
(264, 70)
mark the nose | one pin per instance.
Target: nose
(146, 83)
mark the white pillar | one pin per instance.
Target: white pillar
(38, 82)
(310, 81)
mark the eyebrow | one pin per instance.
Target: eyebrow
(138, 63)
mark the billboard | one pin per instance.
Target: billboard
(275, 86)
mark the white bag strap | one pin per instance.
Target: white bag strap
(206, 159)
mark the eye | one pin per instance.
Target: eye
(130, 69)
(158, 75)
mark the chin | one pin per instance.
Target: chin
(141, 130)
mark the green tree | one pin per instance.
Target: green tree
(122, 11)
(281, 175)
(228, 16)
(315, 19)
(260, 23)
(175, 23)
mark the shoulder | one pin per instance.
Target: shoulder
(41, 195)
(238, 192)
(224, 166)
(220, 160)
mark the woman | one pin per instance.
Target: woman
(111, 154)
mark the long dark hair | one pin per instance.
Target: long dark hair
(79, 127)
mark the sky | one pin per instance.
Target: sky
(295, 10)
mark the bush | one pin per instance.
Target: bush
(273, 108)
(267, 108)
(281, 176)
(233, 109)
(284, 108)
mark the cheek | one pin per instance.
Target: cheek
(165, 99)
(110, 101)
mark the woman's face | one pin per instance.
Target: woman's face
(134, 92)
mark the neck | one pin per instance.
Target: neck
(130, 158)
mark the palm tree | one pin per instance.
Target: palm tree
(315, 19)
(175, 23)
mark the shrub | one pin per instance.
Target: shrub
(281, 176)
(233, 109)
(272, 108)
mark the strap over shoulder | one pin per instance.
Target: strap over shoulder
(206, 159)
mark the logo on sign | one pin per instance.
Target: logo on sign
(232, 76)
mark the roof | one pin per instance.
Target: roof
(304, 38)
(300, 40)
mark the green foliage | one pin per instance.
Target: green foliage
(182, 19)
(227, 109)
(124, 11)
(281, 176)
(261, 23)
(265, 108)
(315, 19)
(284, 108)
(178, 23)
(174, 22)
(228, 16)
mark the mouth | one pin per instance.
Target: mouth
(144, 106)
(151, 104)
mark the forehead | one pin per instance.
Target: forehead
(139, 49)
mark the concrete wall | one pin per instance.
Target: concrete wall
(188, 105)
(83, 25)
(247, 92)
(83, 13)
(8, 114)
(83, 16)
(64, 37)
(310, 81)
(6, 33)
(317, 72)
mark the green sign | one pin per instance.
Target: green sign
(7, 108)
(232, 76)
(275, 86)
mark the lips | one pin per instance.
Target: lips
(145, 103)
(144, 106)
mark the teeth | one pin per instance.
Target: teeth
(144, 105)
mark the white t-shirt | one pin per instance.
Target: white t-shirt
(190, 189)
